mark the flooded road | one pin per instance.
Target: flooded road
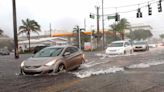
(138, 72)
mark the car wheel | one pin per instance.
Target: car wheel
(76, 68)
(124, 52)
(83, 61)
(60, 68)
(21, 72)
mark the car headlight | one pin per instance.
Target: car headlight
(22, 64)
(50, 63)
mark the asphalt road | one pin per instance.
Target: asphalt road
(139, 72)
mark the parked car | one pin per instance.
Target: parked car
(119, 47)
(4, 52)
(140, 46)
(153, 45)
(53, 59)
(162, 44)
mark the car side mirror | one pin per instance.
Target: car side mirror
(67, 53)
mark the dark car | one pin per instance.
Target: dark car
(53, 59)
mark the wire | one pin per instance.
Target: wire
(131, 5)
(149, 2)
(133, 9)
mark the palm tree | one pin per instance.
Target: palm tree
(122, 25)
(28, 27)
(114, 29)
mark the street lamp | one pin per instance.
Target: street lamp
(15, 30)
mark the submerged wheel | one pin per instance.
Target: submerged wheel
(60, 68)
(83, 61)
(124, 52)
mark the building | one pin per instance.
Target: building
(134, 27)
(48, 41)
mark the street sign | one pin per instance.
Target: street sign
(110, 17)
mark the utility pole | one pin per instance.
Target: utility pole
(98, 29)
(15, 30)
(50, 30)
(79, 38)
(103, 23)
(85, 24)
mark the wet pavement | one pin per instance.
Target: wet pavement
(139, 72)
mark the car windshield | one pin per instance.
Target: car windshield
(116, 45)
(139, 43)
(49, 52)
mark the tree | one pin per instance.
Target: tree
(83, 36)
(114, 29)
(140, 34)
(162, 36)
(28, 27)
(120, 27)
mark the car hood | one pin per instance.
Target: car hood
(114, 48)
(38, 61)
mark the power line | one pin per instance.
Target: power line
(131, 5)
(133, 9)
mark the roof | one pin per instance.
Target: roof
(121, 41)
(61, 46)
(49, 39)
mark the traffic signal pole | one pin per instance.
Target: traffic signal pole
(103, 23)
(98, 29)
(15, 30)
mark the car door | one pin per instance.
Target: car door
(77, 56)
(68, 58)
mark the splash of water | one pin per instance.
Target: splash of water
(88, 73)
(145, 65)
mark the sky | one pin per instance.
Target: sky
(65, 14)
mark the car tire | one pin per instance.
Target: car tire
(61, 68)
(83, 61)
(21, 73)
(124, 52)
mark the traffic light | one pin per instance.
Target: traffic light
(139, 13)
(159, 6)
(92, 16)
(117, 17)
(149, 10)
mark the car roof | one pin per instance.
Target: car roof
(119, 41)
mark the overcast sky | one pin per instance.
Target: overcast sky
(65, 14)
